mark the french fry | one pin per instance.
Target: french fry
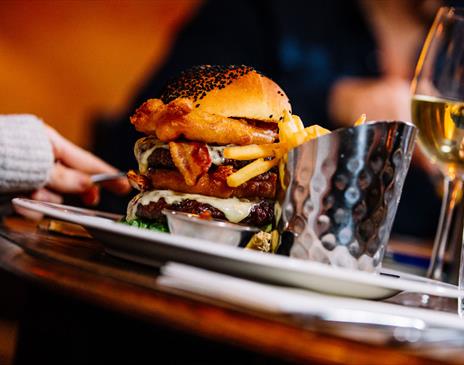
(282, 163)
(286, 133)
(252, 152)
(287, 116)
(285, 127)
(360, 120)
(250, 171)
(298, 138)
(292, 133)
(291, 126)
(315, 131)
(299, 124)
(282, 150)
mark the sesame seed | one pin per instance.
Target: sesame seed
(196, 82)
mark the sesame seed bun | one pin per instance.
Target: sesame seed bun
(229, 91)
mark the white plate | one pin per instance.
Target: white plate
(150, 247)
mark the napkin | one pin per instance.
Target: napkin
(271, 299)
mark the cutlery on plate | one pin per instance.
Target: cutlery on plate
(98, 178)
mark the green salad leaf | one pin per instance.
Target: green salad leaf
(142, 223)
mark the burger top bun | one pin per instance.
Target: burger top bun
(229, 91)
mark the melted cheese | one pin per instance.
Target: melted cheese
(234, 209)
(217, 154)
(143, 148)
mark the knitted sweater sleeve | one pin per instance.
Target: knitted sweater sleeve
(26, 156)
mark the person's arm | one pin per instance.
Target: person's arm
(26, 156)
(36, 158)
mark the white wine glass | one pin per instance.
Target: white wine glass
(438, 112)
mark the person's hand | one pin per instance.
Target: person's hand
(71, 173)
(379, 99)
(387, 98)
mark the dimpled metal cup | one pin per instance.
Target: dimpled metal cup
(341, 192)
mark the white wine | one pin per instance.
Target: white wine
(441, 130)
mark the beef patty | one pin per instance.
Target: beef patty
(260, 215)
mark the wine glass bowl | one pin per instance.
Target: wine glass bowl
(441, 125)
(438, 112)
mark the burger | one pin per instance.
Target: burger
(182, 164)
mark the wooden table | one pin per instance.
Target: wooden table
(81, 275)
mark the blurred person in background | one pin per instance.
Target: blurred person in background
(335, 60)
(36, 160)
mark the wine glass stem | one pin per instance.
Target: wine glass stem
(451, 197)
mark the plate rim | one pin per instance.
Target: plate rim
(420, 284)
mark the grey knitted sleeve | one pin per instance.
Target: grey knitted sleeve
(26, 156)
